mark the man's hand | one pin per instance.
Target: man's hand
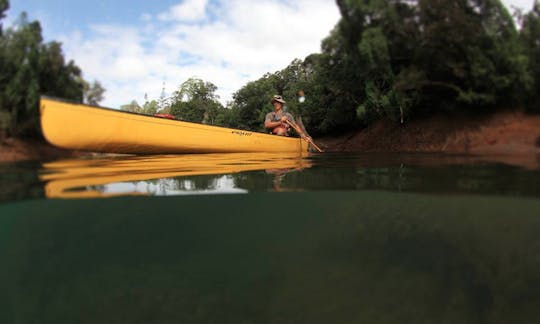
(283, 119)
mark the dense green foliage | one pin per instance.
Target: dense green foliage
(398, 59)
(196, 101)
(30, 68)
(4, 6)
(93, 93)
(530, 36)
(253, 101)
(394, 59)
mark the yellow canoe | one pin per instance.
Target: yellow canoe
(82, 127)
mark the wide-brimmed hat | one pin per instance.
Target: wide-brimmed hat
(277, 98)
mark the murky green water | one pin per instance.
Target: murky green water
(263, 239)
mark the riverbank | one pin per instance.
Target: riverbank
(503, 133)
(508, 133)
(14, 150)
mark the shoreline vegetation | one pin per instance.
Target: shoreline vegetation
(392, 76)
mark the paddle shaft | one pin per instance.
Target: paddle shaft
(301, 133)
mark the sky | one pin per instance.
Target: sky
(140, 47)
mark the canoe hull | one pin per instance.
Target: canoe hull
(81, 127)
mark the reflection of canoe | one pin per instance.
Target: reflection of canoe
(66, 178)
(81, 127)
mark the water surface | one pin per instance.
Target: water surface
(248, 173)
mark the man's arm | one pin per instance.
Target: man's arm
(269, 124)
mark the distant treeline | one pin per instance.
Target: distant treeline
(401, 59)
(393, 59)
(30, 68)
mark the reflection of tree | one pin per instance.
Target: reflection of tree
(253, 181)
(162, 186)
(205, 182)
(98, 188)
(192, 183)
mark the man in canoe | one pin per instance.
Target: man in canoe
(280, 122)
(276, 121)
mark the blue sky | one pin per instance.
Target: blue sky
(61, 14)
(135, 47)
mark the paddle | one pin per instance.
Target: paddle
(301, 133)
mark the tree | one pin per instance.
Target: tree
(530, 38)
(30, 68)
(20, 77)
(471, 56)
(58, 78)
(396, 59)
(226, 117)
(359, 63)
(4, 6)
(150, 108)
(252, 102)
(93, 93)
(393, 59)
(196, 101)
(132, 107)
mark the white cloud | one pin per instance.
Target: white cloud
(239, 41)
(188, 10)
(526, 5)
(225, 42)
